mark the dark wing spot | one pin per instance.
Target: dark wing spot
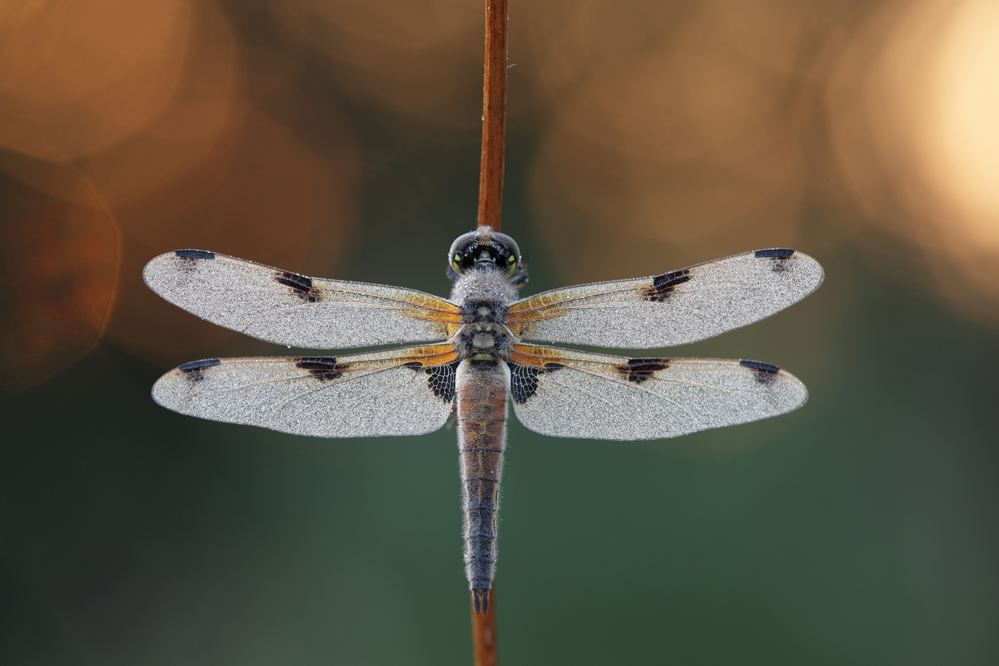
(194, 254)
(300, 285)
(194, 371)
(665, 284)
(640, 369)
(776, 252)
(765, 373)
(440, 379)
(778, 255)
(323, 368)
(199, 365)
(195, 366)
(524, 380)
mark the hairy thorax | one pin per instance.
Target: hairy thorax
(483, 296)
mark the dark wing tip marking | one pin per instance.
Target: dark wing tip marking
(194, 254)
(776, 252)
(762, 367)
(195, 370)
(640, 369)
(300, 285)
(664, 285)
(765, 373)
(778, 255)
(195, 366)
(323, 368)
(524, 380)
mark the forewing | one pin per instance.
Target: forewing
(398, 392)
(673, 308)
(294, 310)
(565, 393)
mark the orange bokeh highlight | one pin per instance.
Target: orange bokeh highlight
(262, 195)
(59, 271)
(683, 146)
(207, 103)
(420, 59)
(78, 75)
(964, 134)
(185, 162)
(913, 107)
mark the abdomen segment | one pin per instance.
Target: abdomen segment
(482, 388)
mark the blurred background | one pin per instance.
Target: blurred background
(341, 138)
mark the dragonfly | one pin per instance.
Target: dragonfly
(474, 357)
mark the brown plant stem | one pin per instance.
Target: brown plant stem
(490, 204)
(484, 632)
(493, 116)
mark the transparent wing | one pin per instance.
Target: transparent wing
(398, 392)
(291, 309)
(564, 393)
(673, 308)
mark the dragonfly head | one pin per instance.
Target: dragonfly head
(481, 249)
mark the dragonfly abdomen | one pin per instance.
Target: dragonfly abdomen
(482, 387)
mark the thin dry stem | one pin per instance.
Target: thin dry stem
(494, 116)
(484, 631)
(490, 204)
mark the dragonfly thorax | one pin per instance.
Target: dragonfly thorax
(484, 333)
